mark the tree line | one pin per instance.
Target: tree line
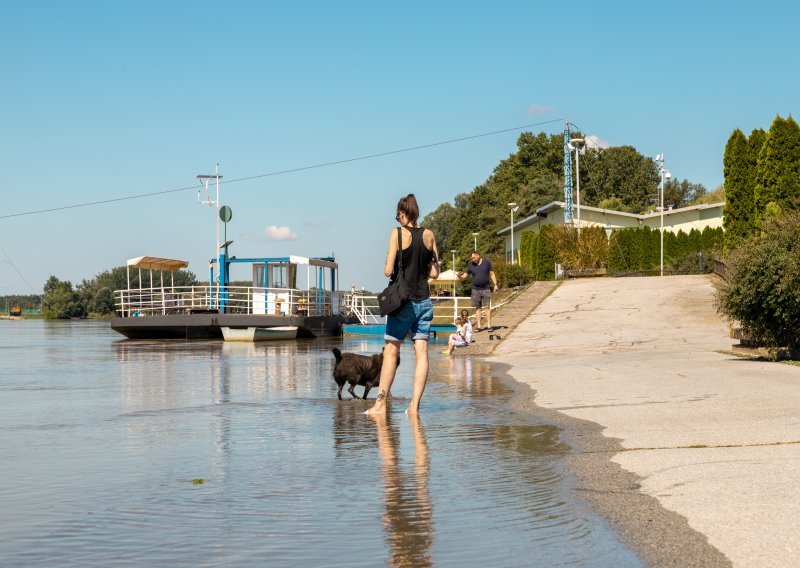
(26, 302)
(762, 177)
(762, 232)
(617, 178)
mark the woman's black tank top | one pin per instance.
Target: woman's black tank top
(416, 265)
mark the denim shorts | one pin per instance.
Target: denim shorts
(415, 316)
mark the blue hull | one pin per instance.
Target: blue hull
(378, 329)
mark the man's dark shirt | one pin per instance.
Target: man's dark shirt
(480, 274)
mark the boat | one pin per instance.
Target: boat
(277, 297)
(259, 333)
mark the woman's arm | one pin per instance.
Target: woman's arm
(388, 268)
(434, 270)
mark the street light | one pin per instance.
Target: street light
(513, 206)
(453, 251)
(665, 175)
(575, 145)
(475, 241)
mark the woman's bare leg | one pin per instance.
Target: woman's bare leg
(420, 374)
(388, 370)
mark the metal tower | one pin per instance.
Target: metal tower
(567, 177)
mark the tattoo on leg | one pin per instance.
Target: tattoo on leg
(381, 395)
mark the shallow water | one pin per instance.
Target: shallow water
(105, 442)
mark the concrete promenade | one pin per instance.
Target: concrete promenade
(709, 440)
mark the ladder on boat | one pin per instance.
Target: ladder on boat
(365, 308)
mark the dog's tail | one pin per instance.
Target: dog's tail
(337, 354)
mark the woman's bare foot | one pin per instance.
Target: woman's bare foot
(412, 411)
(380, 405)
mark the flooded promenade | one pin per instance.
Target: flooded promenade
(131, 453)
(692, 452)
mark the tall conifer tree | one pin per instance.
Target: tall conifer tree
(738, 219)
(778, 170)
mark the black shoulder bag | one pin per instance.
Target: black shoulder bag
(395, 294)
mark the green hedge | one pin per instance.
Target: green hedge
(538, 252)
(640, 249)
(629, 250)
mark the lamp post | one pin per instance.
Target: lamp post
(575, 145)
(513, 206)
(475, 241)
(453, 252)
(665, 175)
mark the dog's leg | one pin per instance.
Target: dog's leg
(352, 391)
(366, 391)
(339, 392)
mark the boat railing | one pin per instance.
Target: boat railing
(136, 302)
(445, 308)
(365, 308)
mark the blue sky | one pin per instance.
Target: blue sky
(106, 100)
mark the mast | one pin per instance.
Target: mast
(567, 176)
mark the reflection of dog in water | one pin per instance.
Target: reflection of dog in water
(363, 370)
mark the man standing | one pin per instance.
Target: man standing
(482, 274)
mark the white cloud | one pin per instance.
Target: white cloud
(539, 109)
(596, 142)
(275, 233)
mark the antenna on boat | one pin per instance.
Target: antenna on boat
(205, 179)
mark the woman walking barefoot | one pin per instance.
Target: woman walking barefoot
(420, 261)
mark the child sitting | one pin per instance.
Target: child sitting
(463, 335)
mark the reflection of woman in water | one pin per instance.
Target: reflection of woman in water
(408, 521)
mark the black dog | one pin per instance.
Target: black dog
(364, 370)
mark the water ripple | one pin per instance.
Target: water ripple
(207, 454)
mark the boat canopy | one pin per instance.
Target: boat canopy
(155, 263)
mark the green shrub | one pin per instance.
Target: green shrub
(590, 250)
(515, 275)
(763, 288)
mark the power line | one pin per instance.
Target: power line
(280, 172)
(8, 259)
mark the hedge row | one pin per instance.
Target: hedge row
(628, 250)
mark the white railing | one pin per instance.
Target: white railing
(445, 308)
(231, 300)
(365, 308)
(269, 301)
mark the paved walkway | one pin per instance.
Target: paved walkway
(711, 437)
(506, 318)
